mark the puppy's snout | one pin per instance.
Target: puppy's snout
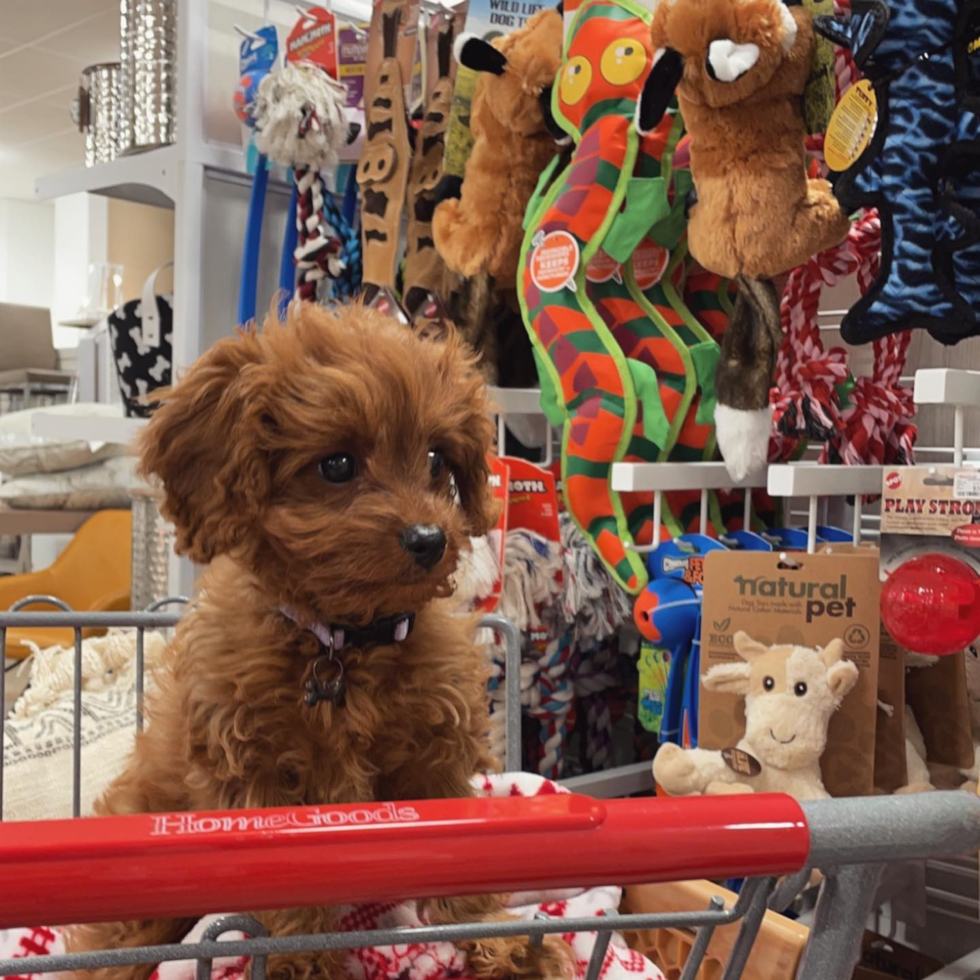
(426, 543)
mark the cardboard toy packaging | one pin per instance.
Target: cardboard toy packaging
(929, 509)
(805, 600)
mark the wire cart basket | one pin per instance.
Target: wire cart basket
(179, 865)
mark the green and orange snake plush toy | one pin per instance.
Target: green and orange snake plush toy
(626, 367)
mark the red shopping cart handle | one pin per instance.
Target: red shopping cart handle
(182, 864)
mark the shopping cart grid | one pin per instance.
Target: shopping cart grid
(848, 840)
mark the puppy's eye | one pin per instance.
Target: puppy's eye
(339, 468)
(437, 463)
(768, 683)
(799, 689)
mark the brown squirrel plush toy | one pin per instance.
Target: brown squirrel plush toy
(477, 225)
(740, 70)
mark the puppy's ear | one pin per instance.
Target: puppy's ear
(469, 432)
(200, 444)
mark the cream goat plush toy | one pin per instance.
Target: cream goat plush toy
(790, 694)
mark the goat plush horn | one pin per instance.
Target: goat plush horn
(728, 61)
(478, 55)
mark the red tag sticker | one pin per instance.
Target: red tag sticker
(649, 263)
(602, 267)
(314, 39)
(554, 262)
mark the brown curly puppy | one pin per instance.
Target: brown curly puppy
(329, 469)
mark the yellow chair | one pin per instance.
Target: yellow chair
(92, 575)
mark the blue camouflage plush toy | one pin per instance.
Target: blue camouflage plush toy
(922, 166)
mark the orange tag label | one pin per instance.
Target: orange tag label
(314, 39)
(554, 261)
(649, 262)
(851, 126)
(602, 267)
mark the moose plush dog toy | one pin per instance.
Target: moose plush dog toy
(740, 71)
(790, 693)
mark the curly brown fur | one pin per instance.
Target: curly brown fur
(757, 213)
(237, 445)
(481, 230)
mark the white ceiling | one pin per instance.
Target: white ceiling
(44, 45)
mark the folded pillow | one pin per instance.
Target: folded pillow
(23, 452)
(106, 484)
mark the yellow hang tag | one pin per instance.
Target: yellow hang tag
(851, 126)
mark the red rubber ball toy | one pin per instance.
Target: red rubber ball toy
(931, 605)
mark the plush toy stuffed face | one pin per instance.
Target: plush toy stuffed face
(724, 51)
(515, 70)
(790, 694)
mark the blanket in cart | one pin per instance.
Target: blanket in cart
(407, 961)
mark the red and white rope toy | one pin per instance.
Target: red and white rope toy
(300, 122)
(874, 426)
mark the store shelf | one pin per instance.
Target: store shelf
(145, 178)
(149, 178)
(82, 322)
(516, 401)
(87, 428)
(815, 480)
(947, 386)
(627, 477)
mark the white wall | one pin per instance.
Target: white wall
(27, 242)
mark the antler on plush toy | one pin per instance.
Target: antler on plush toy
(740, 70)
(790, 694)
(477, 225)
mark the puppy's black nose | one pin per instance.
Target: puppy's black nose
(426, 543)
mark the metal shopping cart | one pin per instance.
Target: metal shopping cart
(166, 865)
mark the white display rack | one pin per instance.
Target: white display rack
(151, 177)
(516, 401)
(87, 427)
(632, 477)
(949, 386)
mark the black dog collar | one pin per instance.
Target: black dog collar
(327, 682)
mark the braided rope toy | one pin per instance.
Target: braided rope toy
(873, 427)
(575, 672)
(300, 123)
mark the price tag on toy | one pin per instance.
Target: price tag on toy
(851, 126)
(966, 485)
